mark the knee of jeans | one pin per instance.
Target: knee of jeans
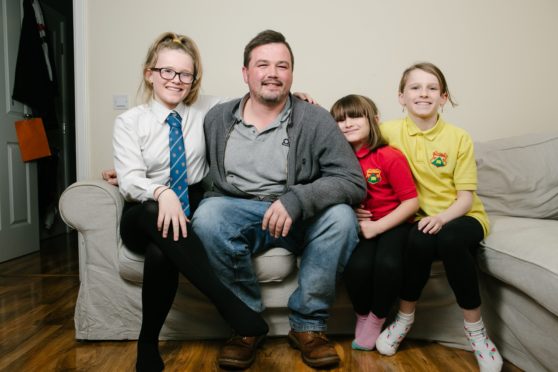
(342, 214)
(342, 220)
(206, 215)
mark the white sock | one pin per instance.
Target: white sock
(389, 340)
(488, 357)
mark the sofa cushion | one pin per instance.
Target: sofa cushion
(523, 253)
(130, 265)
(518, 176)
(273, 265)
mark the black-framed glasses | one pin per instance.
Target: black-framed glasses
(169, 74)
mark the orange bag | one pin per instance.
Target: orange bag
(33, 142)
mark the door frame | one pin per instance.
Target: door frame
(83, 159)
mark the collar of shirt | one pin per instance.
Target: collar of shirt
(363, 152)
(161, 112)
(430, 134)
(283, 116)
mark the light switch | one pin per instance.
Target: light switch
(120, 102)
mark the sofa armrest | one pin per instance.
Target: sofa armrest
(94, 208)
(86, 205)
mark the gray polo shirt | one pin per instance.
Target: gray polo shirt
(256, 162)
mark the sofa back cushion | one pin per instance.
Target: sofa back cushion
(518, 176)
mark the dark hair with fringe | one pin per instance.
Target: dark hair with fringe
(357, 106)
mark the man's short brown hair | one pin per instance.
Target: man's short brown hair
(264, 38)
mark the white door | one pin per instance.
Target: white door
(19, 211)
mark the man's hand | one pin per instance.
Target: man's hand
(277, 220)
(109, 175)
(306, 97)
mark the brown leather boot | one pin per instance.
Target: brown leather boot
(315, 348)
(239, 352)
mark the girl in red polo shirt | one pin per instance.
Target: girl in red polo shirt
(374, 271)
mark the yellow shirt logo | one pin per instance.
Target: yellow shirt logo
(439, 159)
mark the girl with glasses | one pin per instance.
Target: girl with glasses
(155, 221)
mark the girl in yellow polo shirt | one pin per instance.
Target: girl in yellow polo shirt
(451, 220)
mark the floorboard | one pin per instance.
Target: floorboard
(37, 298)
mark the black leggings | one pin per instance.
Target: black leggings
(164, 259)
(456, 245)
(374, 272)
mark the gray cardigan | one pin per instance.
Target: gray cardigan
(322, 169)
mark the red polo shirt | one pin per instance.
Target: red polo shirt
(388, 178)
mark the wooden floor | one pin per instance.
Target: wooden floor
(37, 298)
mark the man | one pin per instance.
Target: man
(283, 175)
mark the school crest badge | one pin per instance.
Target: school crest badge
(373, 176)
(439, 159)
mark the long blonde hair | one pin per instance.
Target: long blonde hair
(170, 40)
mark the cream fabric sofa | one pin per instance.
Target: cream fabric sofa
(518, 183)
(519, 266)
(109, 301)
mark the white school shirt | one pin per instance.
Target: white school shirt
(141, 146)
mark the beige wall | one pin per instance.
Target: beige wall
(500, 57)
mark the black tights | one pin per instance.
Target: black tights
(456, 245)
(374, 272)
(164, 259)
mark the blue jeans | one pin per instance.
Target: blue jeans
(230, 229)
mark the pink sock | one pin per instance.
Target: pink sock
(367, 331)
(360, 320)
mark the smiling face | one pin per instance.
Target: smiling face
(269, 73)
(422, 96)
(356, 131)
(170, 92)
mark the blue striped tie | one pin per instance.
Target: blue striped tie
(178, 174)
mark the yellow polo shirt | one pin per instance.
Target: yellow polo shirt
(442, 161)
